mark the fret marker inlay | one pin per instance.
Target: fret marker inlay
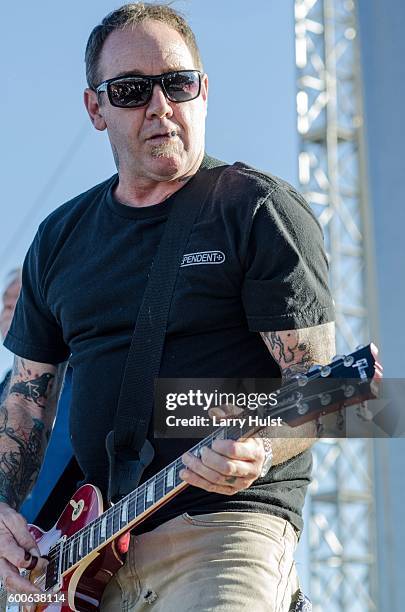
(124, 512)
(170, 478)
(149, 493)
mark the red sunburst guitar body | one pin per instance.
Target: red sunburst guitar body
(82, 587)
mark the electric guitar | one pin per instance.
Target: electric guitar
(87, 546)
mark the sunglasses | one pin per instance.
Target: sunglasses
(136, 91)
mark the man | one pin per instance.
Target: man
(226, 542)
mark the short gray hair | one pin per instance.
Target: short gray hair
(129, 15)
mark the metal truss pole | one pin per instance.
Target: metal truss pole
(342, 553)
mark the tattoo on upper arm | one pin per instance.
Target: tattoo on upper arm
(296, 350)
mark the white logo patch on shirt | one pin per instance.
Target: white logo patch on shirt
(203, 257)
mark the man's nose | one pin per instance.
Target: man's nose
(158, 105)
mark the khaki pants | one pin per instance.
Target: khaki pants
(226, 562)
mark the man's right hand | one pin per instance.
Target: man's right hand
(18, 550)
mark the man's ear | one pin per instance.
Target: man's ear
(204, 90)
(93, 108)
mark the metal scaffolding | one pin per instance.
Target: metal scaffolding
(332, 178)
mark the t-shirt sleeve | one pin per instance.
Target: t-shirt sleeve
(34, 333)
(286, 275)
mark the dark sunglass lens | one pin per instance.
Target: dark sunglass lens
(182, 86)
(129, 92)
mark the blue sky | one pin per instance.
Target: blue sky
(50, 150)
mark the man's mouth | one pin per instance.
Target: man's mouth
(163, 136)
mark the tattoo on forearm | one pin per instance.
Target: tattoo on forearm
(295, 351)
(20, 463)
(26, 418)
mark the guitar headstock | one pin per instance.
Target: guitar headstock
(348, 379)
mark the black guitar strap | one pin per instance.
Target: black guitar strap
(127, 446)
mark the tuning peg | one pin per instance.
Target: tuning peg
(337, 357)
(320, 427)
(302, 380)
(326, 399)
(303, 408)
(340, 420)
(348, 361)
(349, 390)
(325, 371)
(314, 368)
(363, 412)
(359, 347)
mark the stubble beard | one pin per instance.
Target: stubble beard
(165, 149)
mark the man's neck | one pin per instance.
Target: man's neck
(141, 193)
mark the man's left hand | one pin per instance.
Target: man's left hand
(227, 467)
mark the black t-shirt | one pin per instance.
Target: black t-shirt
(83, 281)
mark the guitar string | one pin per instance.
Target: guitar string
(158, 480)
